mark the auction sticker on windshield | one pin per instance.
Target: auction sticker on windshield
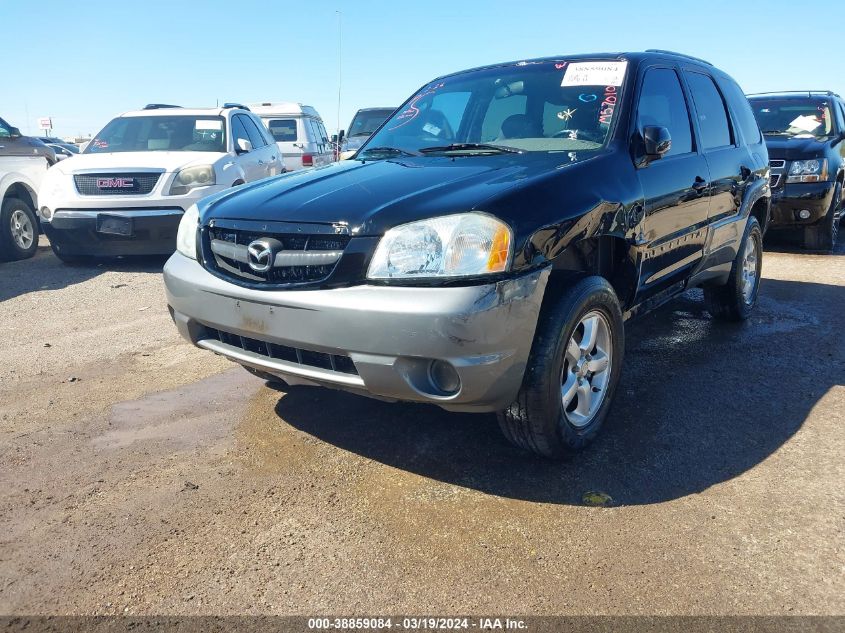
(209, 124)
(594, 74)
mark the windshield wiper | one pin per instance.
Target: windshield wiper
(472, 147)
(388, 150)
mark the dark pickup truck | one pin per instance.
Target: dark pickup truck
(804, 133)
(483, 249)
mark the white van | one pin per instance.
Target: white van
(299, 132)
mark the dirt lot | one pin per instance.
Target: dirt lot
(140, 475)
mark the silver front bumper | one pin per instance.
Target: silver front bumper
(391, 334)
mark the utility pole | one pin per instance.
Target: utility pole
(339, 66)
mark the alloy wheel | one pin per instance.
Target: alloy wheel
(749, 270)
(586, 371)
(22, 230)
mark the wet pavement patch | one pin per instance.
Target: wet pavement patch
(195, 414)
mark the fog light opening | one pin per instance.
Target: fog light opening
(444, 377)
(46, 214)
(804, 214)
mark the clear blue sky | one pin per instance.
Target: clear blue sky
(82, 62)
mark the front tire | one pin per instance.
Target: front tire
(572, 372)
(18, 230)
(735, 300)
(822, 237)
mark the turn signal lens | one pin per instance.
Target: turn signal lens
(499, 251)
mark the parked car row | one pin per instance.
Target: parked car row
(527, 209)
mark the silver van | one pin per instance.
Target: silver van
(299, 132)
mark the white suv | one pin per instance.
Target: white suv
(125, 194)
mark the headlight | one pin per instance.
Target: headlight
(191, 178)
(460, 245)
(186, 236)
(807, 171)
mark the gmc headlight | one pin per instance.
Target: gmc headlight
(191, 178)
(186, 236)
(461, 245)
(813, 170)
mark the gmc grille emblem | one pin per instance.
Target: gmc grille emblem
(115, 183)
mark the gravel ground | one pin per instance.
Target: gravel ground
(140, 475)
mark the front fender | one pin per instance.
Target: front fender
(30, 181)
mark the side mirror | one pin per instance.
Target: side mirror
(340, 135)
(838, 139)
(657, 141)
(244, 146)
(14, 133)
(334, 138)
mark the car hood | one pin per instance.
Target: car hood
(795, 148)
(373, 196)
(127, 161)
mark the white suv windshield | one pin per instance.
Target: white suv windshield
(534, 107)
(177, 133)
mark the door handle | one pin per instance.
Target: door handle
(700, 184)
(260, 162)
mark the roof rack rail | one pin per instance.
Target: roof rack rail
(159, 106)
(676, 54)
(809, 93)
(238, 106)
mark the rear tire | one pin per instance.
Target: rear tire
(822, 237)
(735, 300)
(565, 394)
(18, 230)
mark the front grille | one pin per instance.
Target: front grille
(774, 180)
(333, 362)
(125, 184)
(300, 257)
(777, 163)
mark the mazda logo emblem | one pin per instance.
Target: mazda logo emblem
(261, 254)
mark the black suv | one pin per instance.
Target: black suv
(804, 133)
(482, 250)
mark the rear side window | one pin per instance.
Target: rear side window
(283, 130)
(255, 136)
(239, 132)
(662, 104)
(742, 111)
(712, 117)
(317, 129)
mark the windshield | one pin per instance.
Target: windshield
(177, 133)
(365, 123)
(793, 117)
(534, 107)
